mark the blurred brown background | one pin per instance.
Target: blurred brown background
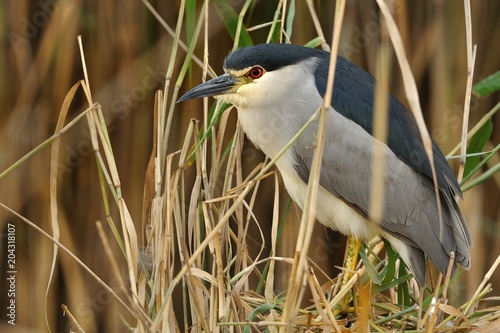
(127, 53)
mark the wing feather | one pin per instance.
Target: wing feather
(410, 209)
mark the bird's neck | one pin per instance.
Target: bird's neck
(267, 130)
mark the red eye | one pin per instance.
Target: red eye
(256, 72)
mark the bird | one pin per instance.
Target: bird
(276, 88)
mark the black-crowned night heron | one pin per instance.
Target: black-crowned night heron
(276, 88)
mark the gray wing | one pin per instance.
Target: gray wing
(410, 208)
(353, 97)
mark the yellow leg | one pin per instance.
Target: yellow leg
(353, 248)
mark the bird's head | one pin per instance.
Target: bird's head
(259, 75)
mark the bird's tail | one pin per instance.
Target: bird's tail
(461, 233)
